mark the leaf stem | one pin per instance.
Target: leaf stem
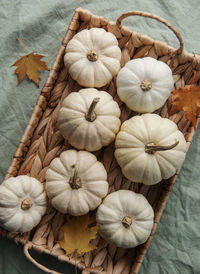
(22, 45)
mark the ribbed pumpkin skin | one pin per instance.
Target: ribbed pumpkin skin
(93, 73)
(84, 134)
(118, 205)
(139, 166)
(90, 173)
(132, 75)
(13, 192)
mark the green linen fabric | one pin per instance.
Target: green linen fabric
(41, 26)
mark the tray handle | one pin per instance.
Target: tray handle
(159, 19)
(28, 246)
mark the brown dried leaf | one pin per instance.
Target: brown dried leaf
(30, 65)
(188, 100)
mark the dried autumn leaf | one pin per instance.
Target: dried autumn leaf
(30, 65)
(188, 100)
(77, 235)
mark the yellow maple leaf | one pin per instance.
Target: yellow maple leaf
(78, 234)
(188, 100)
(30, 65)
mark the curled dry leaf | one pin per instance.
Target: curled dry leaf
(77, 234)
(188, 100)
(30, 65)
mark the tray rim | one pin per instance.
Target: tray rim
(37, 113)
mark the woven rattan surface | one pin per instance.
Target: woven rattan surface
(42, 142)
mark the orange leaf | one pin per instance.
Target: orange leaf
(77, 234)
(30, 65)
(188, 100)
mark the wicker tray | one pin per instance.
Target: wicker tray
(42, 142)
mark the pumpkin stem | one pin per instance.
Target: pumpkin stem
(90, 115)
(92, 55)
(151, 148)
(146, 85)
(26, 204)
(127, 221)
(75, 181)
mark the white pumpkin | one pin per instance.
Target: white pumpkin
(93, 57)
(76, 182)
(22, 203)
(89, 119)
(149, 148)
(125, 218)
(144, 84)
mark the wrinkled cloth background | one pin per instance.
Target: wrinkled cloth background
(41, 26)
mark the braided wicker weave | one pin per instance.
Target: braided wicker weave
(42, 142)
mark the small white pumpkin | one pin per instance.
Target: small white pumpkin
(93, 57)
(89, 119)
(76, 182)
(125, 218)
(144, 84)
(149, 148)
(22, 203)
